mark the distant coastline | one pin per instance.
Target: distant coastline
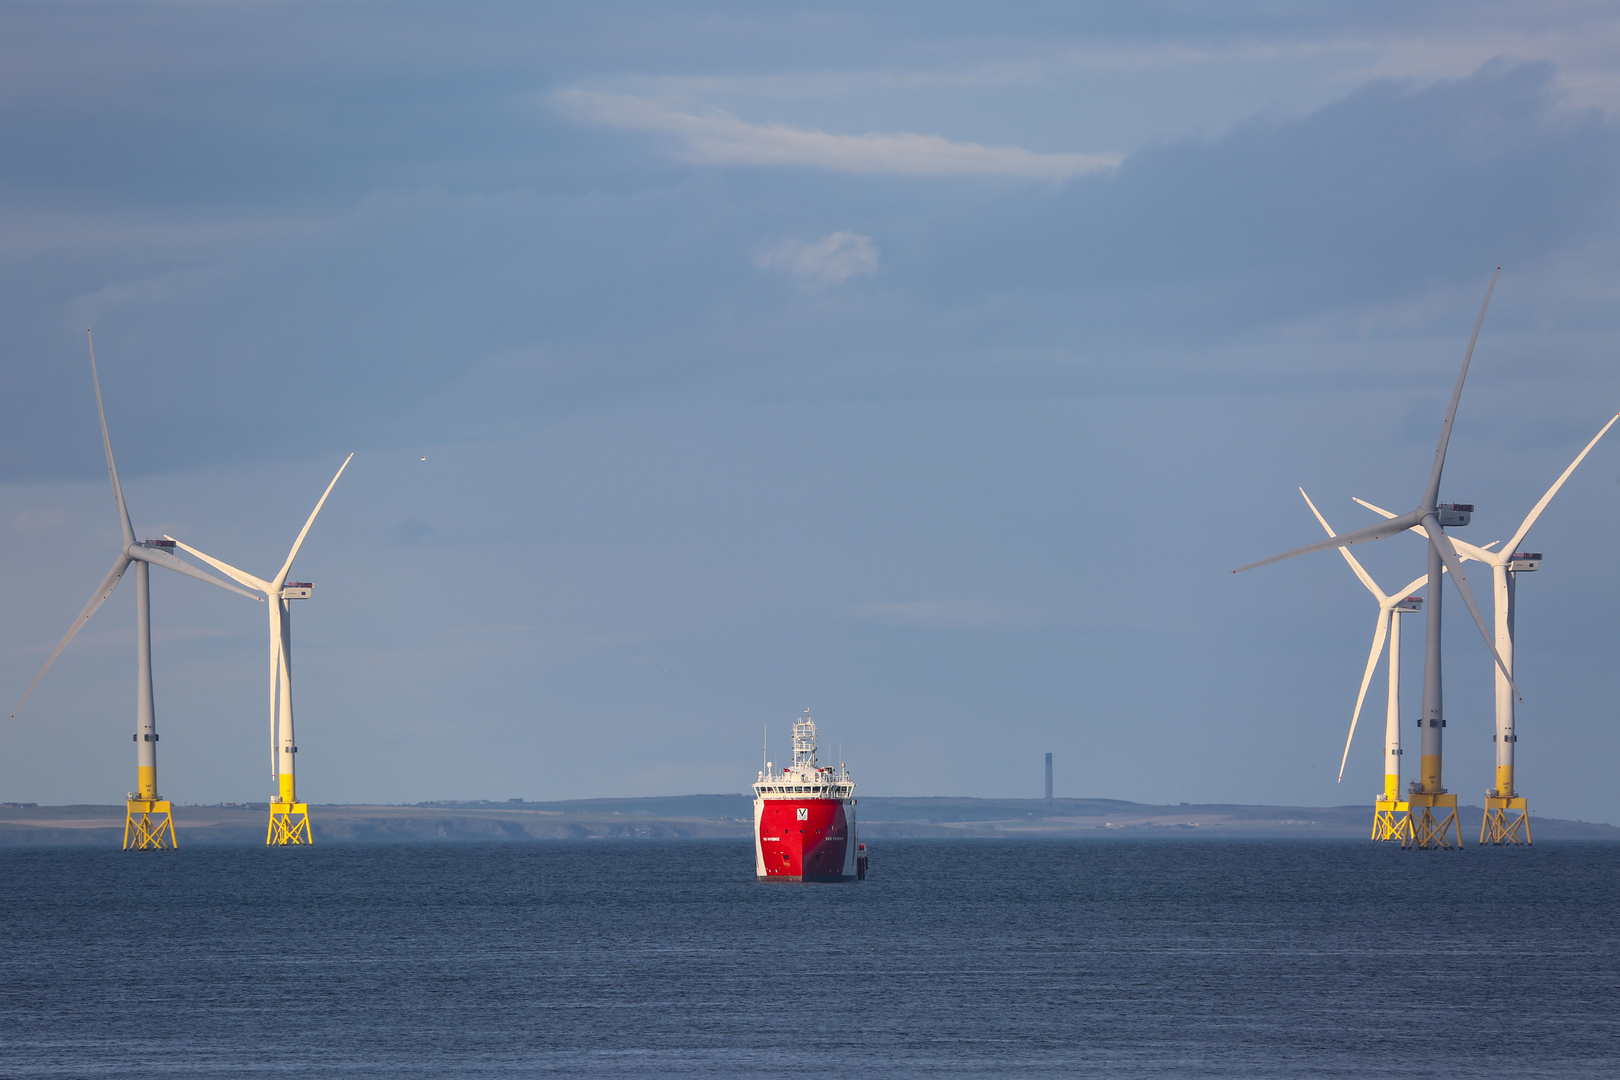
(729, 817)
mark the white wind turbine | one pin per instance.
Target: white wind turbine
(148, 823)
(289, 819)
(1506, 563)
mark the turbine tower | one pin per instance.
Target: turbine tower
(1507, 813)
(1391, 819)
(148, 817)
(289, 818)
(1428, 793)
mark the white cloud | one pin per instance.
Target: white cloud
(832, 260)
(718, 138)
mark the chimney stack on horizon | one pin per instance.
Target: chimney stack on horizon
(1048, 777)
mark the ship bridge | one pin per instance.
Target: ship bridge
(804, 778)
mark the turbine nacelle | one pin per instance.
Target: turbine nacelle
(1525, 562)
(1454, 515)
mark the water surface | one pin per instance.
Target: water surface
(979, 958)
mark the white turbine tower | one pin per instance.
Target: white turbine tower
(1507, 563)
(148, 819)
(1390, 821)
(289, 818)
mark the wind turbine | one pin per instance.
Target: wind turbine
(148, 819)
(289, 818)
(1390, 821)
(1431, 516)
(1506, 564)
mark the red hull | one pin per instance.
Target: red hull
(804, 840)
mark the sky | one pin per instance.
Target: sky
(927, 366)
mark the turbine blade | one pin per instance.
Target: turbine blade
(293, 554)
(164, 559)
(223, 567)
(1358, 536)
(104, 590)
(1355, 565)
(106, 441)
(1433, 491)
(1384, 615)
(1518, 537)
(1468, 551)
(1416, 584)
(1380, 510)
(1442, 544)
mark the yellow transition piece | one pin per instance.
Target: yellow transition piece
(148, 825)
(289, 825)
(1501, 825)
(1427, 831)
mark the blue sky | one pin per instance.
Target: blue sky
(927, 366)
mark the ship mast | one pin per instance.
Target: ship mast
(804, 744)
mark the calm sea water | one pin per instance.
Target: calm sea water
(1098, 959)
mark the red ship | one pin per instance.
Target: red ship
(804, 818)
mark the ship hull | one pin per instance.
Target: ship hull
(805, 839)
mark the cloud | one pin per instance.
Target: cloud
(718, 138)
(1387, 194)
(832, 260)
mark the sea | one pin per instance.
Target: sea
(1044, 958)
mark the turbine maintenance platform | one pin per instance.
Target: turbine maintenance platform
(289, 824)
(1501, 825)
(1507, 813)
(1424, 830)
(1392, 820)
(148, 825)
